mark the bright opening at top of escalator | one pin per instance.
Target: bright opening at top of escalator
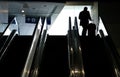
(60, 25)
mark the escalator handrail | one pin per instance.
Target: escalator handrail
(74, 50)
(70, 26)
(113, 55)
(36, 26)
(38, 56)
(115, 52)
(69, 37)
(1, 35)
(111, 41)
(39, 50)
(76, 25)
(7, 44)
(112, 46)
(78, 47)
(31, 54)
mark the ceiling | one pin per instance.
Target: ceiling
(34, 8)
(30, 8)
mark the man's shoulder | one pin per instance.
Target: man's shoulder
(81, 12)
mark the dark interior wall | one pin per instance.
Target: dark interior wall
(110, 14)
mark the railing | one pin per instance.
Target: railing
(28, 64)
(74, 50)
(113, 57)
(7, 44)
(31, 68)
(8, 40)
(39, 51)
(112, 51)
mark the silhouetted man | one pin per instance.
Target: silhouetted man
(84, 17)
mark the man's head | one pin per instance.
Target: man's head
(85, 8)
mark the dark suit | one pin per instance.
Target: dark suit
(84, 17)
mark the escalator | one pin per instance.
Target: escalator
(77, 56)
(13, 51)
(55, 58)
(13, 61)
(97, 58)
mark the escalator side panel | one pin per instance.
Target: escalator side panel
(55, 57)
(14, 60)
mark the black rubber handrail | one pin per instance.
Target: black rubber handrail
(76, 25)
(112, 46)
(7, 44)
(112, 51)
(111, 42)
